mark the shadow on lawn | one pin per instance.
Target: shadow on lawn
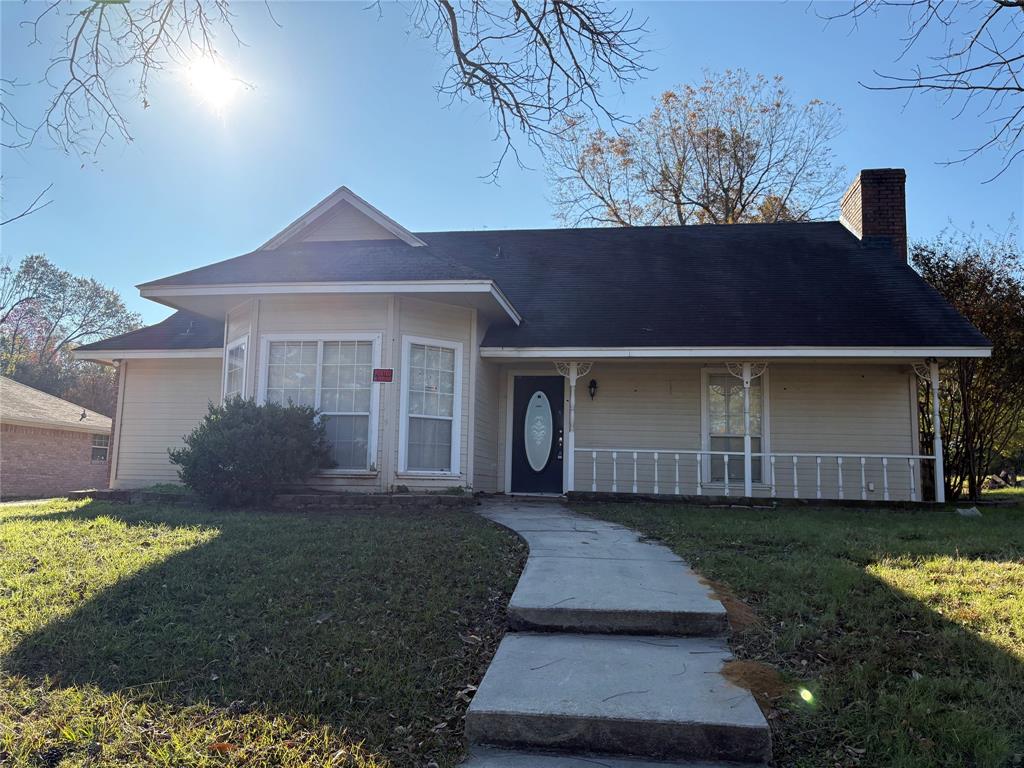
(311, 616)
(878, 614)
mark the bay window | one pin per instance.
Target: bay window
(431, 406)
(723, 426)
(333, 375)
(234, 369)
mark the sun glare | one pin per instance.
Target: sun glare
(213, 83)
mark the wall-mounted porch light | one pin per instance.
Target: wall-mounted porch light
(592, 388)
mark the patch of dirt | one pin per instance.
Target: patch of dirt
(762, 680)
(741, 616)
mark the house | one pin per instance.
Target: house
(755, 360)
(49, 446)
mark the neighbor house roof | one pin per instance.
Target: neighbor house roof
(811, 285)
(26, 406)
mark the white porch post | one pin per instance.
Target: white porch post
(940, 478)
(572, 371)
(570, 438)
(748, 464)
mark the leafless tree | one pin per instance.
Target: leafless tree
(979, 66)
(733, 148)
(534, 62)
(530, 61)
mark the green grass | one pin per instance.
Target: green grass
(161, 636)
(1013, 494)
(907, 628)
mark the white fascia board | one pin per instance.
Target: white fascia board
(106, 355)
(733, 353)
(405, 286)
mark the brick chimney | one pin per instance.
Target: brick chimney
(875, 205)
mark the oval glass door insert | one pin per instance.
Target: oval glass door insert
(538, 431)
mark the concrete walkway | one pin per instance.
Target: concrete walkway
(619, 652)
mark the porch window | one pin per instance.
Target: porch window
(234, 369)
(335, 377)
(431, 406)
(724, 428)
(100, 448)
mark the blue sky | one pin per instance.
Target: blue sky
(343, 96)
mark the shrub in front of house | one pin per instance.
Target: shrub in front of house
(242, 452)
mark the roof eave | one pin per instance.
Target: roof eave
(890, 353)
(165, 294)
(110, 355)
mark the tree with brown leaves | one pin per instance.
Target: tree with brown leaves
(734, 148)
(981, 400)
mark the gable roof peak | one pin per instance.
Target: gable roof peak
(342, 196)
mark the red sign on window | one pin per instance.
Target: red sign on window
(384, 374)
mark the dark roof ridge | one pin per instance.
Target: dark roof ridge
(612, 228)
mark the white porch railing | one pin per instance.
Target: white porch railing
(688, 472)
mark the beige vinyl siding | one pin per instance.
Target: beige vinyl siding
(842, 409)
(485, 432)
(238, 321)
(653, 406)
(332, 313)
(346, 223)
(162, 400)
(444, 322)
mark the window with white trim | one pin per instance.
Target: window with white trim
(335, 377)
(234, 369)
(432, 375)
(100, 448)
(724, 428)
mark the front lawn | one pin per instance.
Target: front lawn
(1011, 493)
(900, 635)
(170, 636)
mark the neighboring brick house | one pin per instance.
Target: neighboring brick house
(49, 446)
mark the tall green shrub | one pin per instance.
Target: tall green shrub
(241, 452)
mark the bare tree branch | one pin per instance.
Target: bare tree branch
(532, 62)
(35, 205)
(981, 62)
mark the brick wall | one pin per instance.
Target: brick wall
(47, 462)
(875, 205)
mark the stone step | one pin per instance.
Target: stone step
(484, 757)
(656, 697)
(604, 595)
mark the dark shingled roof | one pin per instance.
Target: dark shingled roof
(182, 330)
(351, 261)
(805, 284)
(743, 285)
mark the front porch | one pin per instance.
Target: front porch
(783, 429)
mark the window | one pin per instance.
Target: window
(724, 427)
(100, 448)
(431, 406)
(234, 369)
(335, 377)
